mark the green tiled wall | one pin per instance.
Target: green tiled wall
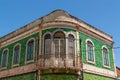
(29, 76)
(97, 46)
(98, 56)
(95, 77)
(23, 50)
(58, 77)
(98, 52)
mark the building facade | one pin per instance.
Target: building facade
(57, 46)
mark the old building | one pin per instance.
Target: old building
(57, 46)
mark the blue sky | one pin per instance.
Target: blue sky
(102, 14)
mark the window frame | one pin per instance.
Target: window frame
(89, 61)
(65, 39)
(59, 39)
(6, 49)
(13, 65)
(32, 60)
(107, 66)
(74, 43)
(44, 42)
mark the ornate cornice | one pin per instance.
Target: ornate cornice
(60, 17)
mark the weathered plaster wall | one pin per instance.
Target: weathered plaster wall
(58, 28)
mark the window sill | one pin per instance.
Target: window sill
(15, 65)
(29, 61)
(3, 68)
(106, 66)
(91, 62)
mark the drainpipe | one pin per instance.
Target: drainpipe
(36, 55)
(82, 78)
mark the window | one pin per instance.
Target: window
(30, 50)
(4, 58)
(59, 42)
(47, 45)
(90, 51)
(105, 57)
(71, 45)
(16, 55)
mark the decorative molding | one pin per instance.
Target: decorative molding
(82, 28)
(99, 71)
(77, 44)
(19, 37)
(60, 17)
(114, 62)
(18, 71)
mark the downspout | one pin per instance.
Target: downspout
(81, 59)
(39, 53)
(37, 56)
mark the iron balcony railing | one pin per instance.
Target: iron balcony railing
(59, 61)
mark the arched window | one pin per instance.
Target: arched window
(71, 44)
(16, 55)
(4, 58)
(59, 42)
(47, 45)
(90, 51)
(30, 49)
(105, 57)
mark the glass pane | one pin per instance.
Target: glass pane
(106, 58)
(30, 50)
(16, 55)
(56, 42)
(71, 44)
(62, 48)
(4, 58)
(90, 51)
(47, 48)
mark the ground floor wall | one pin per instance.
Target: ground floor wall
(88, 76)
(28, 76)
(59, 77)
(33, 76)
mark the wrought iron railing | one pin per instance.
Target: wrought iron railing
(59, 61)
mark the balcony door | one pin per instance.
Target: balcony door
(59, 48)
(59, 44)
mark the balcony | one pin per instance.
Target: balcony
(63, 61)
